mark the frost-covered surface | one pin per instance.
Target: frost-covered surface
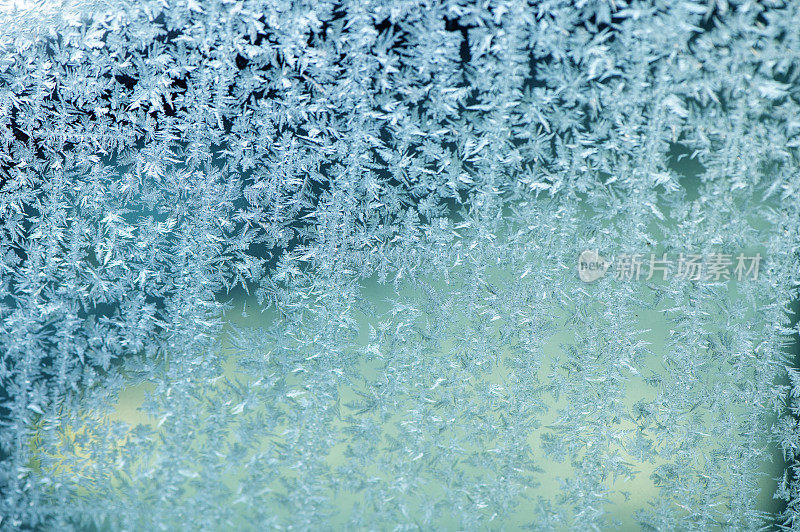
(158, 158)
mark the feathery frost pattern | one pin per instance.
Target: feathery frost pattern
(314, 265)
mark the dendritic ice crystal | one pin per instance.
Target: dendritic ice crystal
(361, 265)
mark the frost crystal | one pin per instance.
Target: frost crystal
(314, 264)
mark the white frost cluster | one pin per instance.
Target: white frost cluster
(162, 162)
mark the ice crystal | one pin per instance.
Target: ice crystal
(313, 264)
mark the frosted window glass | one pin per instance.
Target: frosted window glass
(398, 265)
